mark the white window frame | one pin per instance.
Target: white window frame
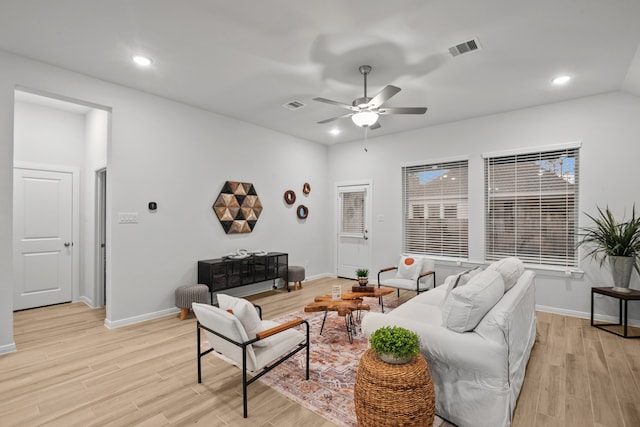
(462, 197)
(570, 210)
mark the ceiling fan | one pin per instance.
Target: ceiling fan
(365, 111)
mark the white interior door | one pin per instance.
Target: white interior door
(354, 217)
(43, 246)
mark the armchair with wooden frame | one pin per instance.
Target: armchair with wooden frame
(421, 280)
(256, 355)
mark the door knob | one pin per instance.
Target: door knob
(67, 244)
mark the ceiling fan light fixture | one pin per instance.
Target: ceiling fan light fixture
(365, 118)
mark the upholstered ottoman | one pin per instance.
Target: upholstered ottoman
(188, 294)
(296, 275)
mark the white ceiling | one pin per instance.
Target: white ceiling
(246, 58)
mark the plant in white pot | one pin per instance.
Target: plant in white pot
(618, 241)
(394, 344)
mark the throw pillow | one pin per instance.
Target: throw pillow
(510, 269)
(409, 268)
(461, 279)
(244, 311)
(466, 305)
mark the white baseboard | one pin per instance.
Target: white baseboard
(87, 301)
(584, 315)
(143, 317)
(9, 348)
(319, 276)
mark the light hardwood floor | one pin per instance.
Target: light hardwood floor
(72, 371)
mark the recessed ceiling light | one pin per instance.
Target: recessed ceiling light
(334, 131)
(142, 61)
(561, 80)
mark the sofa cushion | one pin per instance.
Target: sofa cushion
(244, 311)
(461, 279)
(409, 267)
(510, 269)
(466, 305)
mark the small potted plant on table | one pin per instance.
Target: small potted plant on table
(395, 345)
(363, 276)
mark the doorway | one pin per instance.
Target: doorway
(354, 225)
(56, 133)
(101, 237)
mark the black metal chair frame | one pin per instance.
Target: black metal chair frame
(423, 275)
(246, 382)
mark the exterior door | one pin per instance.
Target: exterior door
(354, 217)
(43, 246)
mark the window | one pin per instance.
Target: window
(435, 209)
(532, 206)
(353, 211)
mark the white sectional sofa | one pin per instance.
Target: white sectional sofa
(476, 338)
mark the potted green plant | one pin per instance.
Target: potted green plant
(395, 344)
(363, 276)
(618, 241)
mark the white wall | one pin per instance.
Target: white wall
(46, 135)
(179, 157)
(609, 129)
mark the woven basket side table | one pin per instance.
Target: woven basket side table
(393, 395)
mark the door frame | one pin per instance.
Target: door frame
(368, 223)
(100, 252)
(75, 219)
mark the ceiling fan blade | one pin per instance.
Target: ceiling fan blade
(403, 110)
(375, 126)
(339, 104)
(383, 96)
(335, 118)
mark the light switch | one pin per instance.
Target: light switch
(128, 217)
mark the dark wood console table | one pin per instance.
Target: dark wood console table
(632, 295)
(225, 273)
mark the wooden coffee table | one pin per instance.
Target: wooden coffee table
(377, 293)
(349, 303)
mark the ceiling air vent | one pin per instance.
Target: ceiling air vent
(465, 47)
(293, 105)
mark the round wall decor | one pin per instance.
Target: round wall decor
(289, 197)
(302, 211)
(306, 188)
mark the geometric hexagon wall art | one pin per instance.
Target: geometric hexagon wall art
(238, 207)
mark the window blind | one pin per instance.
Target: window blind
(435, 209)
(352, 209)
(532, 207)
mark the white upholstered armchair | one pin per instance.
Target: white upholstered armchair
(411, 273)
(236, 331)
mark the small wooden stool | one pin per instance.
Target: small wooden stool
(187, 294)
(296, 275)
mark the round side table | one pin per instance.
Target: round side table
(393, 395)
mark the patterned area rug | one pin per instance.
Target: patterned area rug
(334, 362)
